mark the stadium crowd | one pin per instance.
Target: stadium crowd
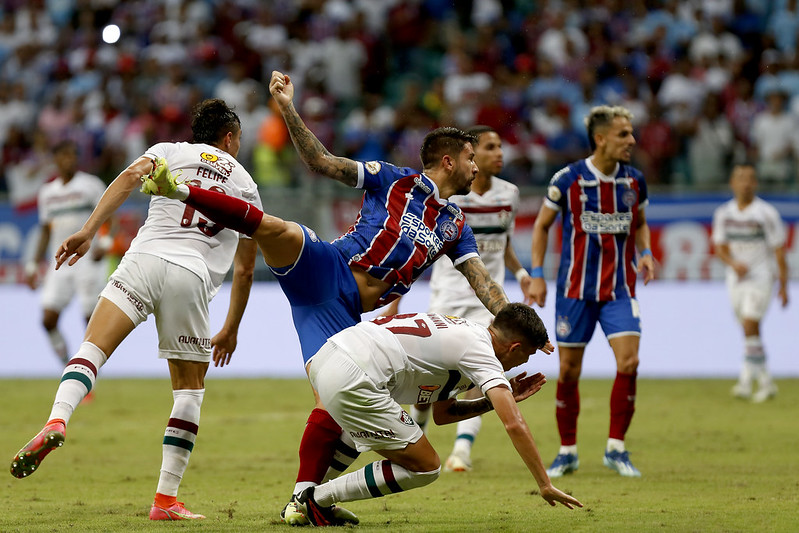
(709, 81)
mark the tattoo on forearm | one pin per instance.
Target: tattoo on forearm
(469, 407)
(486, 289)
(315, 155)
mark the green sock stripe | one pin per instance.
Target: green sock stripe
(83, 378)
(465, 436)
(371, 484)
(180, 443)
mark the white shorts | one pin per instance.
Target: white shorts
(144, 284)
(85, 278)
(477, 314)
(750, 298)
(368, 413)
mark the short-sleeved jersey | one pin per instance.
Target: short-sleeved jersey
(176, 232)
(599, 216)
(491, 216)
(423, 358)
(67, 206)
(403, 227)
(752, 233)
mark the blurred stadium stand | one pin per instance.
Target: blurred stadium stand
(709, 82)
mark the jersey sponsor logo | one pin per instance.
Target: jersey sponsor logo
(312, 234)
(593, 222)
(629, 197)
(406, 419)
(449, 230)
(562, 326)
(455, 212)
(554, 194)
(422, 185)
(426, 393)
(204, 342)
(131, 298)
(372, 167)
(221, 164)
(415, 229)
(379, 434)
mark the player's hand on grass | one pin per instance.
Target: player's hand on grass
(224, 344)
(73, 248)
(525, 386)
(554, 496)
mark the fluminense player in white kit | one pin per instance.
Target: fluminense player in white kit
(490, 210)
(173, 268)
(749, 237)
(64, 205)
(364, 373)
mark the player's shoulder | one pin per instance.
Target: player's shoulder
(377, 168)
(630, 171)
(503, 185)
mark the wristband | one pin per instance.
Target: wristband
(537, 272)
(105, 243)
(646, 251)
(521, 274)
(30, 268)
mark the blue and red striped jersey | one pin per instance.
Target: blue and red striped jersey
(403, 227)
(599, 215)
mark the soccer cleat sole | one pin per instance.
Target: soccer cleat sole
(25, 462)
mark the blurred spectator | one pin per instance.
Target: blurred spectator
(773, 140)
(29, 169)
(367, 130)
(344, 56)
(235, 88)
(710, 145)
(657, 145)
(519, 66)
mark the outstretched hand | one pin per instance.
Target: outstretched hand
(553, 496)
(73, 248)
(525, 386)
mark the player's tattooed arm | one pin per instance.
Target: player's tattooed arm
(452, 410)
(486, 289)
(313, 153)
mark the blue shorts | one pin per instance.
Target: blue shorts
(576, 319)
(322, 292)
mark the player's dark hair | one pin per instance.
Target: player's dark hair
(477, 131)
(601, 116)
(443, 141)
(518, 321)
(211, 120)
(66, 144)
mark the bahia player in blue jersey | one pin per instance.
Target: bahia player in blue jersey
(404, 225)
(601, 200)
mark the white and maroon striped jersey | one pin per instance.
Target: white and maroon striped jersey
(752, 233)
(177, 233)
(423, 358)
(403, 227)
(67, 206)
(599, 215)
(491, 216)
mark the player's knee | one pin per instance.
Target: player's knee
(629, 364)
(420, 479)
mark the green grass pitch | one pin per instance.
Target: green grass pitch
(709, 463)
